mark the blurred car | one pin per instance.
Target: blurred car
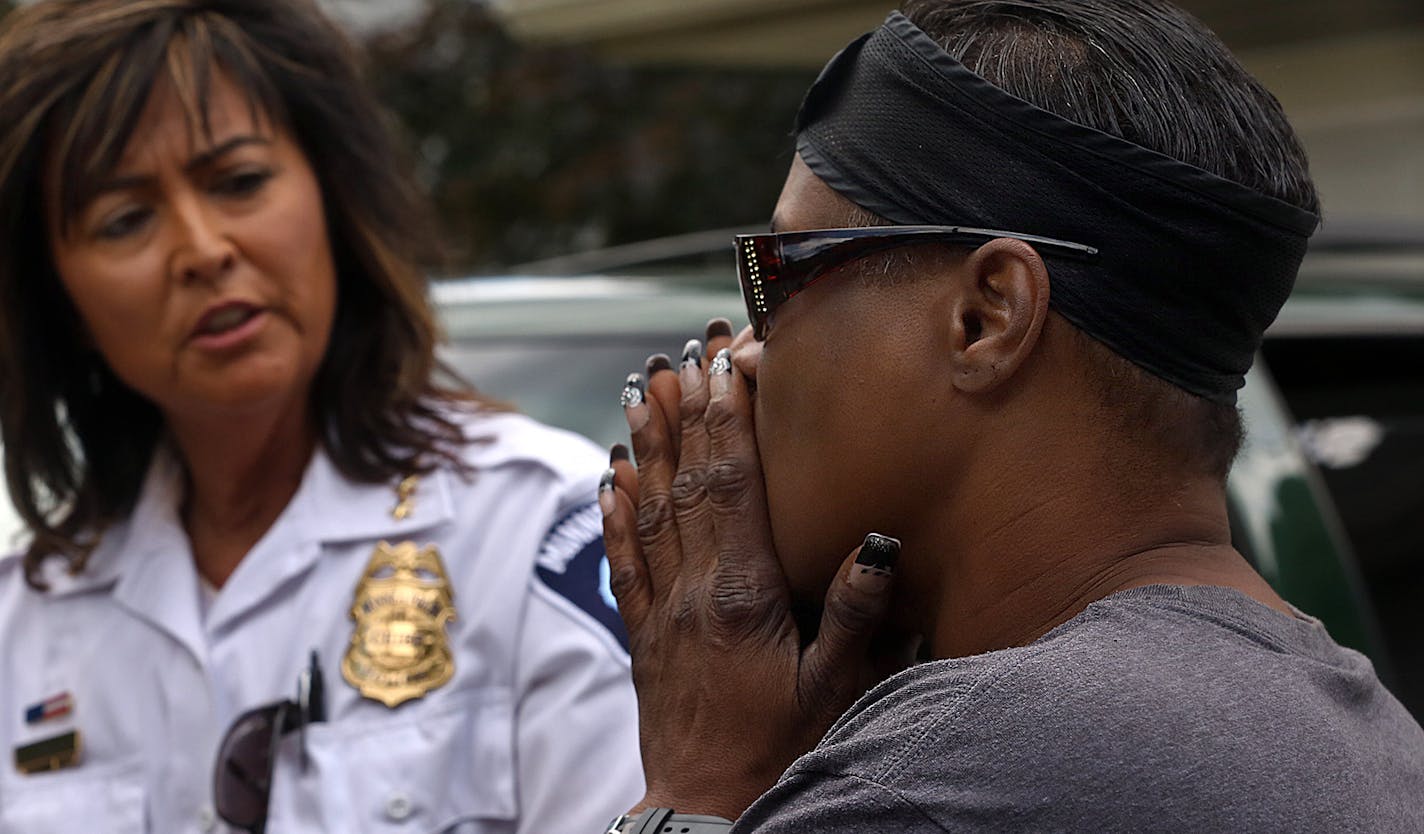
(1348, 357)
(1335, 401)
(1326, 498)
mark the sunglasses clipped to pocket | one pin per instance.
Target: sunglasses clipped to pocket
(242, 774)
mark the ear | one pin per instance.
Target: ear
(999, 313)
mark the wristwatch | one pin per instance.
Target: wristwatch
(663, 820)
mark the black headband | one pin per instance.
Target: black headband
(1191, 267)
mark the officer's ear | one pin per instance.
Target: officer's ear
(997, 313)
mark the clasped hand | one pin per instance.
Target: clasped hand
(729, 693)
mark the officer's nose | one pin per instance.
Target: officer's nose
(205, 253)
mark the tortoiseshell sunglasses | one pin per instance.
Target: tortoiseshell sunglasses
(775, 266)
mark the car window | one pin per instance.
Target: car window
(569, 383)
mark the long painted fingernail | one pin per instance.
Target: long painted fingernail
(656, 362)
(633, 398)
(876, 562)
(690, 370)
(718, 327)
(616, 453)
(719, 375)
(607, 501)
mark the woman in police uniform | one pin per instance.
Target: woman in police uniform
(268, 542)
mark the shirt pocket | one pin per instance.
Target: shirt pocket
(108, 799)
(445, 769)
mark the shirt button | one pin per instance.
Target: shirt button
(207, 819)
(398, 807)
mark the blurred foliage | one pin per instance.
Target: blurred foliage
(530, 152)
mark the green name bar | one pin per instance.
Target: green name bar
(53, 753)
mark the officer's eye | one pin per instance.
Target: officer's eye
(242, 183)
(123, 223)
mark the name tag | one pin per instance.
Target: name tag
(54, 753)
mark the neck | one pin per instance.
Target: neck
(1021, 558)
(241, 475)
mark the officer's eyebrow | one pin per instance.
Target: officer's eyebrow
(207, 157)
(199, 161)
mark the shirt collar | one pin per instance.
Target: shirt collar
(338, 509)
(327, 507)
(151, 523)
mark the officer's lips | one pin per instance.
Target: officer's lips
(227, 324)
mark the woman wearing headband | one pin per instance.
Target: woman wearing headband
(1017, 273)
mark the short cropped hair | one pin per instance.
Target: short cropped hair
(1152, 74)
(75, 76)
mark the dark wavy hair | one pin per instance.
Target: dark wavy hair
(74, 78)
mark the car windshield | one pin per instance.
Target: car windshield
(1339, 383)
(572, 383)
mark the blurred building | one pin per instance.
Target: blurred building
(1350, 75)
(373, 15)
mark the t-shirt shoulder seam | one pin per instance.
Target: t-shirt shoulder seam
(1261, 632)
(986, 681)
(875, 784)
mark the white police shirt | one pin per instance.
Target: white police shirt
(536, 731)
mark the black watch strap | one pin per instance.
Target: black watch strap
(665, 821)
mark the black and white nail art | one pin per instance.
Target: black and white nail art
(692, 354)
(722, 362)
(633, 391)
(878, 555)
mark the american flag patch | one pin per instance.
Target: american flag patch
(56, 706)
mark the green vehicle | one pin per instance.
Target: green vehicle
(557, 339)
(1327, 497)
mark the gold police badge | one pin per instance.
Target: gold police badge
(399, 649)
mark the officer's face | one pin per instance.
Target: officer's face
(845, 402)
(202, 272)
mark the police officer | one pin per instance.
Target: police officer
(280, 577)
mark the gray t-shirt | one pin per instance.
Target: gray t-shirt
(1157, 709)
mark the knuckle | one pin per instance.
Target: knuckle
(623, 581)
(689, 489)
(823, 691)
(685, 615)
(735, 603)
(615, 538)
(722, 419)
(650, 455)
(727, 483)
(656, 515)
(848, 615)
(693, 405)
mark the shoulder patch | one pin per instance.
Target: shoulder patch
(573, 564)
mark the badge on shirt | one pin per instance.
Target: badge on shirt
(399, 649)
(55, 753)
